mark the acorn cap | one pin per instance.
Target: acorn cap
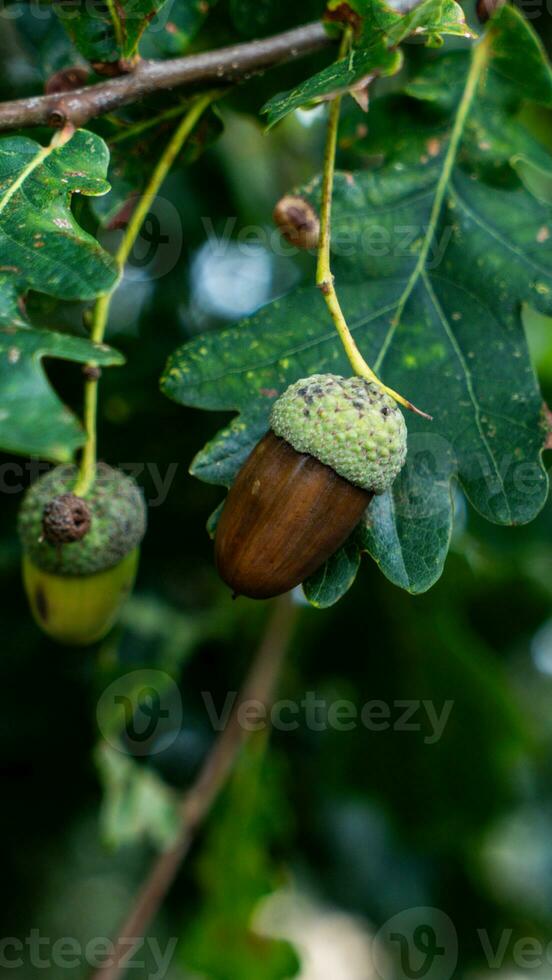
(347, 423)
(117, 516)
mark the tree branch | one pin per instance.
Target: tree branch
(225, 66)
(259, 687)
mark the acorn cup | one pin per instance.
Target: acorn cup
(80, 555)
(334, 442)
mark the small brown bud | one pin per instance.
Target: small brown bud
(486, 8)
(344, 14)
(91, 372)
(66, 519)
(66, 80)
(297, 221)
(112, 69)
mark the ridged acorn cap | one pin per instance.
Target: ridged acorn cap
(117, 521)
(347, 423)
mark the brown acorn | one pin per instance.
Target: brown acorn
(334, 443)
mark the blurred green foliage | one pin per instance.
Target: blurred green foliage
(367, 821)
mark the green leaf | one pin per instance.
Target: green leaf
(375, 53)
(336, 78)
(520, 62)
(137, 804)
(406, 530)
(174, 27)
(43, 248)
(33, 421)
(519, 68)
(431, 19)
(440, 82)
(537, 180)
(110, 31)
(336, 576)
(433, 261)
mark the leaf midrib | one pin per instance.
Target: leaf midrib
(479, 60)
(42, 154)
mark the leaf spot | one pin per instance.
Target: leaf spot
(433, 147)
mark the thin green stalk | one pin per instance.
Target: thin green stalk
(142, 127)
(100, 316)
(116, 21)
(324, 275)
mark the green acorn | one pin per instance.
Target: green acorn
(80, 554)
(334, 443)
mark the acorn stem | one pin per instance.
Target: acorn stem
(87, 469)
(324, 275)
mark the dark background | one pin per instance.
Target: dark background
(368, 823)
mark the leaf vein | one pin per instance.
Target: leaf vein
(469, 385)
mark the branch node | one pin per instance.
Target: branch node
(91, 372)
(57, 118)
(112, 69)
